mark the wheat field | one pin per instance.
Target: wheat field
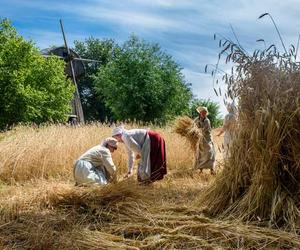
(40, 208)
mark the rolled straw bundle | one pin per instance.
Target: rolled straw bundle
(186, 127)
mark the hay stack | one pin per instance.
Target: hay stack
(261, 180)
(186, 127)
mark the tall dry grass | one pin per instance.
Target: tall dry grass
(122, 216)
(28, 153)
(40, 208)
(260, 181)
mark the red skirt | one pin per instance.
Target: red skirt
(157, 156)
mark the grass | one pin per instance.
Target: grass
(40, 208)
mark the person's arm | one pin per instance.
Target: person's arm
(221, 131)
(132, 147)
(132, 144)
(196, 122)
(130, 161)
(109, 164)
(206, 126)
(225, 125)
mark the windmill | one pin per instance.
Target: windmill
(74, 70)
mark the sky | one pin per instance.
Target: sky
(183, 28)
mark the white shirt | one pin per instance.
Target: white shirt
(100, 156)
(134, 140)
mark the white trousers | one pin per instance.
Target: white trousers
(86, 173)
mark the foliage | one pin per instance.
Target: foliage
(143, 83)
(32, 88)
(213, 110)
(103, 51)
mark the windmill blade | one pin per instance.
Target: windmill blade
(64, 36)
(77, 103)
(85, 60)
(74, 58)
(68, 53)
(52, 56)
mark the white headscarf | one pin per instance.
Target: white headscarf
(231, 108)
(117, 131)
(110, 142)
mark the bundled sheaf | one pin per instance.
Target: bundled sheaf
(261, 179)
(186, 127)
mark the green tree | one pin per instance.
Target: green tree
(32, 88)
(103, 51)
(213, 110)
(143, 83)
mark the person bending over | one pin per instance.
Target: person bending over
(149, 147)
(96, 166)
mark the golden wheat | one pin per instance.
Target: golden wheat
(260, 181)
(40, 208)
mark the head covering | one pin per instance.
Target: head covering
(231, 108)
(117, 131)
(110, 142)
(202, 108)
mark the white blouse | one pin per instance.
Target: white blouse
(134, 140)
(100, 156)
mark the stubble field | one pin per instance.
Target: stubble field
(40, 208)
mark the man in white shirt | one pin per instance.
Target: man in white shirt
(96, 166)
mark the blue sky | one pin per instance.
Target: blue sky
(183, 28)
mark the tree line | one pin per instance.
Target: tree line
(134, 81)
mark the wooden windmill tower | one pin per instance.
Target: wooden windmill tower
(74, 70)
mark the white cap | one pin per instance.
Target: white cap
(231, 108)
(111, 142)
(117, 131)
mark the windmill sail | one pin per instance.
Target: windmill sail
(74, 70)
(77, 107)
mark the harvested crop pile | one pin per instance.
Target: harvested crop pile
(260, 182)
(120, 216)
(186, 127)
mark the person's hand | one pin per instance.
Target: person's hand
(138, 156)
(221, 131)
(114, 179)
(128, 175)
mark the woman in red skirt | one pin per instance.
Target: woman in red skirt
(149, 147)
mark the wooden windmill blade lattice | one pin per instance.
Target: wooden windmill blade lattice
(76, 103)
(74, 70)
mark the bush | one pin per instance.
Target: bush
(32, 88)
(143, 84)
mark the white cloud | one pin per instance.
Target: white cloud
(183, 28)
(45, 39)
(127, 18)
